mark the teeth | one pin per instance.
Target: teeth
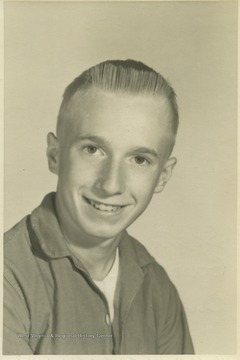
(104, 207)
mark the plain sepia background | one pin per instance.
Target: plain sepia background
(190, 228)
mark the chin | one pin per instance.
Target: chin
(101, 232)
(104, 235)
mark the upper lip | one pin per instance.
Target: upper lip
(101, 202)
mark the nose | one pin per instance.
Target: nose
(111, 180)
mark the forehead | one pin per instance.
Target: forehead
(124, 121)
(122, 109)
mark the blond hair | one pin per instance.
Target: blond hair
(120, 76)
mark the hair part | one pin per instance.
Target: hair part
(119, 76)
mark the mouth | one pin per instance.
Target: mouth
(103, 207)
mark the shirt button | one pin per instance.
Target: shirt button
(108, 319)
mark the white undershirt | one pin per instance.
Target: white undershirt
(108, 285)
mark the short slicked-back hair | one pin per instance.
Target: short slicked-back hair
(119, 76)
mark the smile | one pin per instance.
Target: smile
(103, 207)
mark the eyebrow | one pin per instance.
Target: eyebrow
(93, 138)
(99, 139)
(145, 150)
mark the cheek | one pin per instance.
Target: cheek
(143, 186)
(77, 172)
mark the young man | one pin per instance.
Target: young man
(75, 281)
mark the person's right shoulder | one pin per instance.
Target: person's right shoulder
(16, 239)
(16, 228)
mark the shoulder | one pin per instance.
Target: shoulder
(148, 263)
(16, 236)
(156, 284)
(17, 253)
(17, 240)
(17, 247)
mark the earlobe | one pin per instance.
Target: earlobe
(165, 174)
(53, 153)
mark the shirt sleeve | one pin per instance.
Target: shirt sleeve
(16, 321)
(175, 337)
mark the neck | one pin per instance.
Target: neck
(98, 260)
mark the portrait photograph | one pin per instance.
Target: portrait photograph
(120, 179)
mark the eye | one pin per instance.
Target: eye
(141, 160)
(91, 150)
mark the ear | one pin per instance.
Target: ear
(165, 174)
(53, 153)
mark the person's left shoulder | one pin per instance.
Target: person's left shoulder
(146, 261)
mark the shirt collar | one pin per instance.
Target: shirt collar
(50, 238)
(46, 227)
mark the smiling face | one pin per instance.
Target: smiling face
(112, 159)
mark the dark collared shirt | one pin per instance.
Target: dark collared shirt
(52, 306)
